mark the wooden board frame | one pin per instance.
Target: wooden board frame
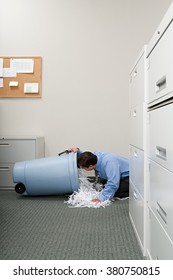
(8, 91)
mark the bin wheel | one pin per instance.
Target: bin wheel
(20, 188)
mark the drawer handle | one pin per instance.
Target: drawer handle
(4, 168)
(161, 212)
(135, 154)
(161, 84)
(161, 152)
(135, 73)
(134, 113)
(4, 144)
(135, 195)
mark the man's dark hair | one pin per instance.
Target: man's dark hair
(86, 159)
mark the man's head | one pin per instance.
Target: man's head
(87, 161)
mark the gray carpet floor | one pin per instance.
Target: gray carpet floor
(45, 228)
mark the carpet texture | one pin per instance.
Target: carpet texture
(45, 228)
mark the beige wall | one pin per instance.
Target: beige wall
(88, 48)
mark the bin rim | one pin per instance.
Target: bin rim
(73, 171)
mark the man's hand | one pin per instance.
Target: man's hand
(74, 150)
(96, 200)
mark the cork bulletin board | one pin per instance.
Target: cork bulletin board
(20, 77)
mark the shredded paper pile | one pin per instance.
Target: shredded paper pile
(87, 191)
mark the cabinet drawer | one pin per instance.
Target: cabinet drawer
(161, 136)
(137, 168)
(12, 151)
(6, 176)
(166, 21)
(136, 210)
(160, 244)
(137, 83)
(160, 68)
(136, 126)
(161, 194)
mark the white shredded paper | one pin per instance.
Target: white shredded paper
(87, 191)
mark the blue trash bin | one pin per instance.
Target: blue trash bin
(47, 176)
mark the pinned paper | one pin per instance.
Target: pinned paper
(9, 72)
(1, 83)
(22, 65)
(1, 67)
(13, 84)
(30, 87)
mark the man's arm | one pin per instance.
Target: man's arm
(113, 174)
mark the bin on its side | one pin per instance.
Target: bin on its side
(47, 176)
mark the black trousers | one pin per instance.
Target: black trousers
(123, 190)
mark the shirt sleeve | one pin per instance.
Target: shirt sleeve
(113, 179)
(79, 152)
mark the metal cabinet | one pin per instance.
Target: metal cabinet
(160, 139)
(137, 146)
(14, 149)
(161, 135)
(160, 244)
(160, 62)
(161, 195)
(136, 206)
(136, 126)
(136, 80)
(137, 168)
(151, 148)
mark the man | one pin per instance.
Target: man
(111, 167)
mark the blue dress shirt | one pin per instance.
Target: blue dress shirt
(113, 168)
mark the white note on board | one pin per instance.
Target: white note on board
(30, 87)
(1, 83)
(13, 83)
(9, 72)
(1, 67)
(22, 65)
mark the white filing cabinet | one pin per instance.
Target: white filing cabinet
(14, 149)
(160, 141)
(151, 143)
(137, 147)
